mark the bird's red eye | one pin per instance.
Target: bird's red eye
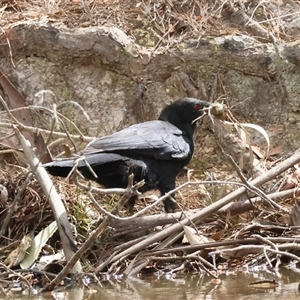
(198, 106)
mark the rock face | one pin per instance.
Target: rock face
(100, 79)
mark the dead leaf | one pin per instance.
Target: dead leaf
(17, 255)
(41, 148)
(218, 235)
(292, 180)
(257, 151)
(191, 237)
(275, 151)
(171, 28)
(67, 150)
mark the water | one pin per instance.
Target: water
(190, 287)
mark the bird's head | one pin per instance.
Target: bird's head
(182, 113)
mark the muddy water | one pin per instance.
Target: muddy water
(233, 287)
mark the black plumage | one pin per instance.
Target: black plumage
(155, 151)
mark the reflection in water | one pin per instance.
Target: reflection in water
(196, 287)
(192, 287)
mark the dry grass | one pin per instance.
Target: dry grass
(170, 21)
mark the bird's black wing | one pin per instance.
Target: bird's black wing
(158, 139)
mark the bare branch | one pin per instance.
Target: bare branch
(56, 204)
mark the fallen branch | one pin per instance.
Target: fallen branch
(205, 212)
(125, 227)
(289, 242)
(258, 249)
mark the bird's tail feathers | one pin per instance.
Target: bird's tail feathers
(62, 167)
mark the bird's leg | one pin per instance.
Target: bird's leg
(130, 203)
(169, 204)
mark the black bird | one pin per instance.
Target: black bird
(155, 151)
